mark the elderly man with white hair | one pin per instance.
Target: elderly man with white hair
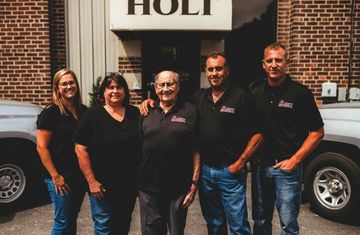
(170, 167)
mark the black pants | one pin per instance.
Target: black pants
(123, 207)
(159, 211)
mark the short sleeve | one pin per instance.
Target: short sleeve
(48, 118)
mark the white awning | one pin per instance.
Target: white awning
(141, 15)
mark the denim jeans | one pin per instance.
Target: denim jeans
(223, 200)
(112, 214)
(101, 215)
(275, 187)
(66, 208)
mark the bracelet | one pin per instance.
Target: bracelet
(195, 182)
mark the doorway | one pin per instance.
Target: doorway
(175, 51)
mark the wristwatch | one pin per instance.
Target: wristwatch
(195, 182)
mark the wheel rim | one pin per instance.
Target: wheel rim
(332, 188)
(12, 183)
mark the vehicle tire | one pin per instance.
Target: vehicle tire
(332, 185)
(12, 182)
(20, 180)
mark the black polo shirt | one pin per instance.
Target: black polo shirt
(168, 146)
(288, 113)
(225, 126)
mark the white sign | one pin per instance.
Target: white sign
(204, 15)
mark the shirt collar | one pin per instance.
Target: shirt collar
(281, 88)
(226, 92)
(176, 107)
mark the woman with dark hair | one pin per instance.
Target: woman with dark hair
(55, 127)
(107, 146)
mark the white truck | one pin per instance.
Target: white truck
(19, 161)
(332, 172)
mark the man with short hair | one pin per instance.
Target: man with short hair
(292, 128)
(170, 168)
(228, 137)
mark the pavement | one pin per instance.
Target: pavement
(38, 221)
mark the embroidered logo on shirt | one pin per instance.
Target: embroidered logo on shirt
(225, 109)
(284, 104)
(178, 119)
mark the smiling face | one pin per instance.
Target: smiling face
(217, 72)
(67, 87)
(114, 94)
(167, 87)
(275, 63)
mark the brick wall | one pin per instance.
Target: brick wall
(317, 34)
(283, 22)
(25, 51)
(132, 65)
(57, 35)
(136, 97)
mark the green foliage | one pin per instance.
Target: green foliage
(94, 94)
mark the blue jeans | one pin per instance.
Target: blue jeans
(112, 214)
(223, 200)
(66, 208)
(275, 186)
(101, 215)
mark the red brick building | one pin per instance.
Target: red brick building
(323, 38)
(318, 35)
(25, 58)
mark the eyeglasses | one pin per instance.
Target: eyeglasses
(68, 83)
(110, 74)
(216, 68)
(277, 61)
(163, 84)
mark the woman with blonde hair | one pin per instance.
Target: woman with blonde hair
(55, 127)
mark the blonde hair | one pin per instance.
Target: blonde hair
(57, 98)
(276, 46)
